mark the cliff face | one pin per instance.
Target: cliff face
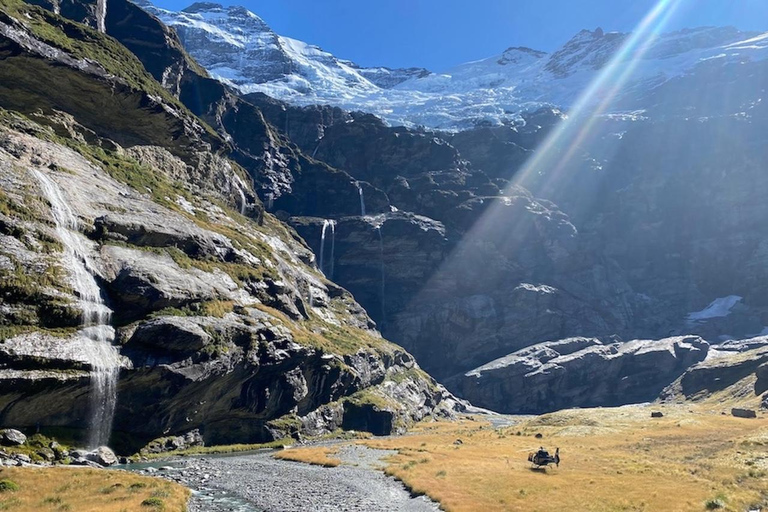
(133, 248)
(216, 226)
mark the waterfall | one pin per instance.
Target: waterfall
(239, 185)
(319, 141)
(362, 198)
(101, 16)
(96, 331)
(381, 259)
(243, 201)
(322, 242)
(332, 225)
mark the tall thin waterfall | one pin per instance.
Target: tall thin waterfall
(362, 198)
(239, 186)
(96, 331)
(243, 201)
(101, 16)
(332, 224)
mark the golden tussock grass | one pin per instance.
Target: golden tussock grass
(89, 490)
(316, 455)
(612, 460)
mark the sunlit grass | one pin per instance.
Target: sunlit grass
(612, 459)
(88, 490)
(316, 455)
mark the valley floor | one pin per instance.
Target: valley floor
(693, 458)
(258, 481)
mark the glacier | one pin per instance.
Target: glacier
(240, 49)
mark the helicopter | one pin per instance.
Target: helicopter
(542, 458)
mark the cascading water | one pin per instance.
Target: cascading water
(101, 16)
(326, 224)
(239, 186)
(243, 201)
(96, 331)
(362, 198)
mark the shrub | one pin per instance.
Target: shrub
(8, 486)
(714, 504)
(155, 503)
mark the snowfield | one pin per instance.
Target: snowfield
(239, 48)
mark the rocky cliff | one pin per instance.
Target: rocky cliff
(117, 177)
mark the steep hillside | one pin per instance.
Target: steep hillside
(141, 275)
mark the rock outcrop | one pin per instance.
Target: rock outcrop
(223, 323)
(580, 372)
(731, 371)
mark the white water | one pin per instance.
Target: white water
(326, 224)
(101, 16)
(362, 198)
(243, 201)
(239, 186)
(96, 331)
(317, 147)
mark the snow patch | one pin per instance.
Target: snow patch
(718, 308)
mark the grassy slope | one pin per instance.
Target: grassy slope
(89, 490)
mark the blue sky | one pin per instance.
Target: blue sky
(438, 34)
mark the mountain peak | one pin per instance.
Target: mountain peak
(203, 7)
(518, 54)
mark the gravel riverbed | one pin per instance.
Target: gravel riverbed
(258, 482)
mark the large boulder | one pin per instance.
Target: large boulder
(579, 372)
(103, 456)
(12, 437)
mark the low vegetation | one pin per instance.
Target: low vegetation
(37, 489)
(316, 455)
(212, 450)
(694, 458)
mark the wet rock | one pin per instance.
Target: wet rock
(657, 414)
(103, 456)
(12, 437)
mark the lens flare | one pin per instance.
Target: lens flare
(504, 224)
